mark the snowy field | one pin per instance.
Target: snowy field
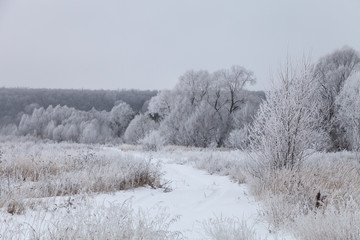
(181, 202)
(78, 191)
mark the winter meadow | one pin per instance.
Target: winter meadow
(208, 159)
(179, 120)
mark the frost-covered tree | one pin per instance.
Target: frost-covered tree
(195, 84)
(201, 128)
(162, 104)
(16, 101)
(229, 97)
(69, 124)
(348, 102)
(120, 117)
(286, 126)
(204, 107)
(331, 73)
(173, 127)
(138, 128)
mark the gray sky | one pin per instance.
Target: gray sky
(148, 44)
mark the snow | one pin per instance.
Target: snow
(196, 196)
(191, 196)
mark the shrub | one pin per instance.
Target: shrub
(223, 228)
(152, 141)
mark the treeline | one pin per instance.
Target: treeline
(210, 110)
(69, 124)
(14, 102)
(204, 109)
(313, 107)
(316, 102)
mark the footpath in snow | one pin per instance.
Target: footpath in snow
(197, 196)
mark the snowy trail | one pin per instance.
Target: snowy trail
(197, 196)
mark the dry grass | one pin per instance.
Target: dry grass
(223, 228)
(332, 225)
(29, 171)
(224, 163)
(87, 220)
(174, 148)
(324, 190)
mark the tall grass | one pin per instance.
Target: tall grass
(320, 200)
(29, 171)
(309, 201)
(219, 161)
(224, 228)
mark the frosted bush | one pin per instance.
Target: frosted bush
(152, 141)
(239, 138)
(332, 225)
(215, 161)
(326, 185)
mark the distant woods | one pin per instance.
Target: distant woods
(16, 101)
(89, 116)
(317, 103)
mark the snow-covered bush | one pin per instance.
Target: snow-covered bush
(287, 123)
(325, 182)
(333, 224)
(153, 141)
(239, 138)
(215, 161)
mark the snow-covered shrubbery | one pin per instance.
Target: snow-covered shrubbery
(287, 124)
(325, 189)
(153, 141)
(333, 224)
(215, 161)
(239, 138)
(39, 170)
(88, 220)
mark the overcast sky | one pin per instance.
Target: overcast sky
(148, 44)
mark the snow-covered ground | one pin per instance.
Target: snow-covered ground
(196, 196)
(192, 197)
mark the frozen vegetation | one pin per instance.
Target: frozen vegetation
(205, 160)
(77, 191)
